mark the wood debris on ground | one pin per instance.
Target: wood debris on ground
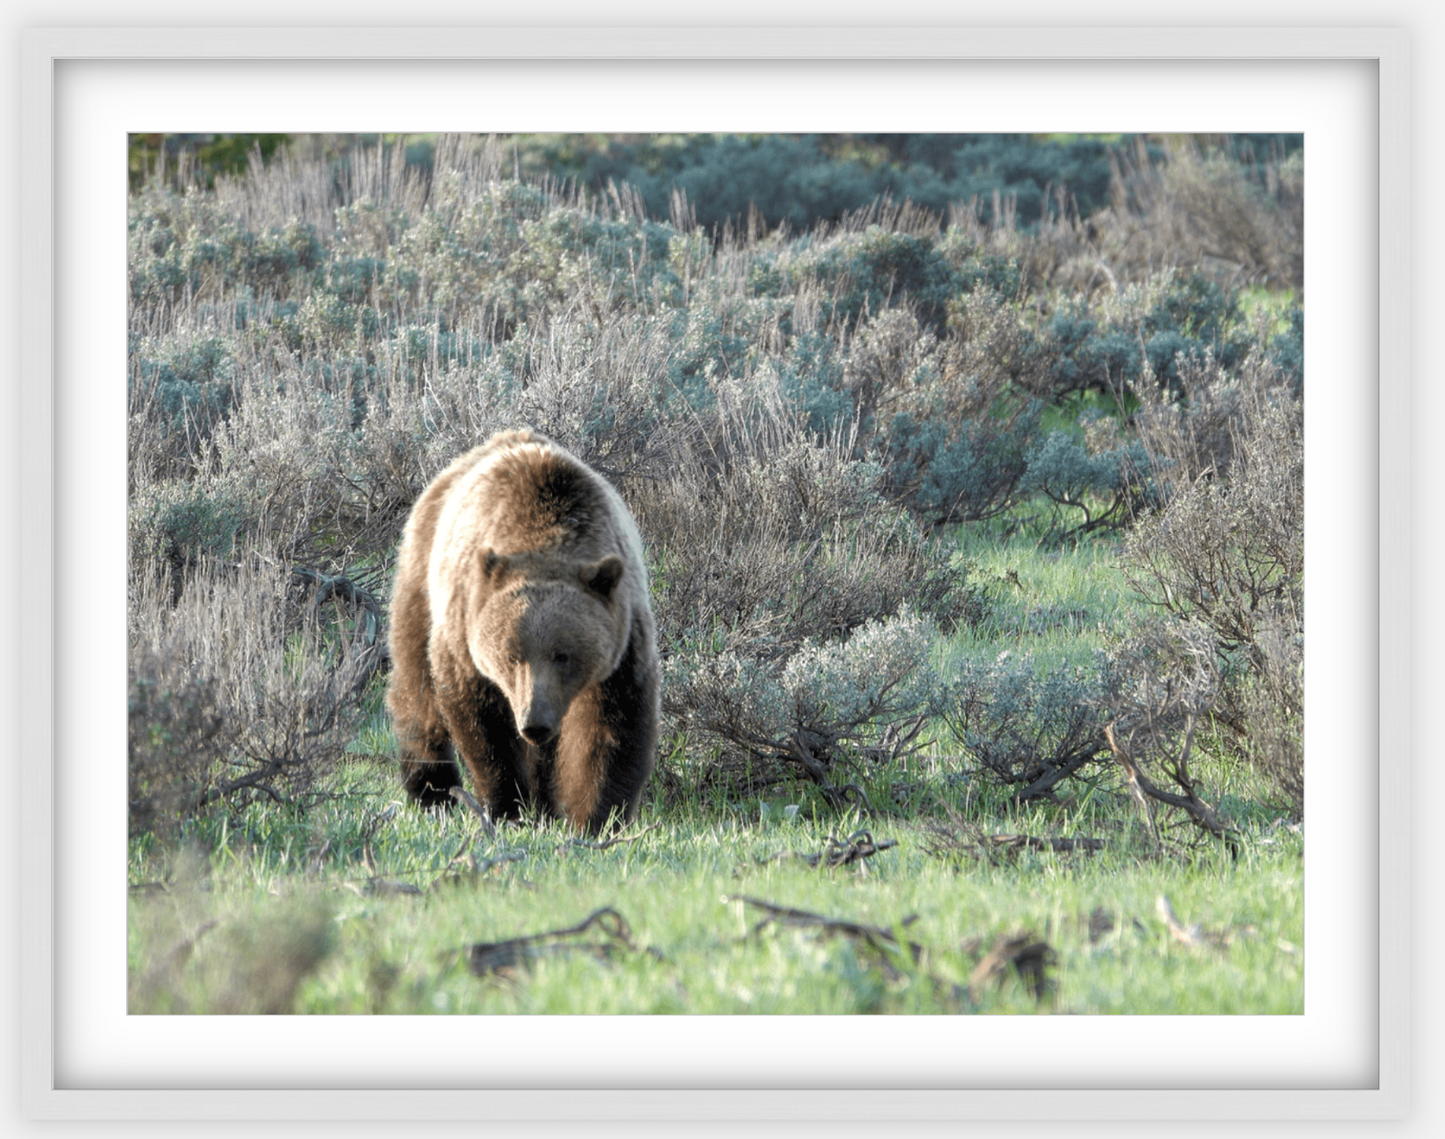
(839, 852)
(505, 957)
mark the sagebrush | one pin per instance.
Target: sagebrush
(804, 419)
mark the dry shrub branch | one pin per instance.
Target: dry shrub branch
(1226, 552)
(234, 694)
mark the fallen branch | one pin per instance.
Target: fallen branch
(874, 936)
(1028, 957)
(486, 957)
(482, 865)
(883, 942)
(607, 842)
(1013, 843)
(856, 847)
(959, 836)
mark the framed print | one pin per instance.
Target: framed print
(87, 90)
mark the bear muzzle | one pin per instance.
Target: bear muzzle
(538, 733)
(540, 718)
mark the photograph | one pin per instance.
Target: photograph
(715, 573)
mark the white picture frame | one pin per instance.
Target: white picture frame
(52, 324)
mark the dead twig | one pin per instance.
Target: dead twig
(376, 884)
(850, 794)
(875, 937)
(1028, 957)
(385, 887)
(1013, 843)
(375, 822)
(483, 815)
(485, 957)
(1195, 935)
(959, 836)
(1188, 935)
(370, 648)
(607, 842)
(883, 943)
(838, 797)
(855, 848)
(482, 865)
(465, 863)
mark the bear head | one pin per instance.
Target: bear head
(544, 633)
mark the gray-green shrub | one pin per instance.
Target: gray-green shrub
(792, 420)
(1226, 550)
(1026, 722)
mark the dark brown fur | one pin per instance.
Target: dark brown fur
(522, 638)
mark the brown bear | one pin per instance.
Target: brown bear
(522, 638)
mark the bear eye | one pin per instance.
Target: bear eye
(560, 658)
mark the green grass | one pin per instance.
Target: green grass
(1051, 600)
(372, 910)
(1273, 304)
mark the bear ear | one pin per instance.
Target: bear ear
(493, 563)
(602, 577)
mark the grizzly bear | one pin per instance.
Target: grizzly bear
(522, 638)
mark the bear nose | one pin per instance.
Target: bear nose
(537, 733)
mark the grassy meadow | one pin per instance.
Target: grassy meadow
(974, 526)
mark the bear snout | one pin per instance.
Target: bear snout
(540, 717)
(539, 734)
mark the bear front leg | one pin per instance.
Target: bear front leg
(607, 748)
(428, 771)
(481, 726)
